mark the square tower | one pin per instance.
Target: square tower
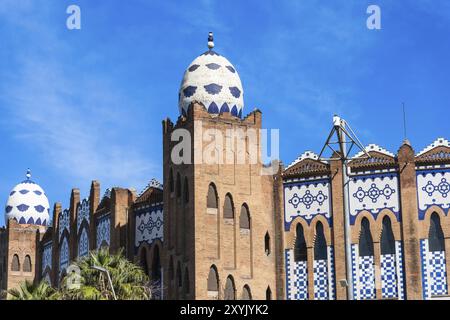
(219, 208)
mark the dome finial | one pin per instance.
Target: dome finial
(28, 175)
(210, 41)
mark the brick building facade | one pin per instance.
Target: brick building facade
(225, 229)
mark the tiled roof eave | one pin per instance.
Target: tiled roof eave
(382, 164)
(425, 161)
(306, 174)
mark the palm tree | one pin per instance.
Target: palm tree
(29, 290)
(129, 280)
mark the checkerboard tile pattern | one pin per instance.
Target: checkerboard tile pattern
(321, 280)
(437, 273)
(400, 270)
(297, 278)
(355, 270)
(331, 274)
(389, 288)
(434, 273)
(288, 274)
(424, 257)
(366, 278)
(392, 275)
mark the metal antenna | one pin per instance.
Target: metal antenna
(345, 141)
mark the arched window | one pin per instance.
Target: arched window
(267, 243)
(186, 281)
(436, 236)
(300, 249)
(387, 237)
(15, 265)
(213, 279)
(365, 240)
(244, 218)
(320, 244)
(171, 269)
(228, 208)
(230, 289)
(171, 183)
(246, 293)
(268, 294)
(186, 191)
(156, 265)
(27, 264)
(178, 185)
(143, 259)
(179, 275)
(211, 201)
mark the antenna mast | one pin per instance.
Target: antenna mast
(341, 140)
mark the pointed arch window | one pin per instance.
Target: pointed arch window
(156, 265)
(365, 240)
(15, 265)
(320, 244)
(244, 218)
(387, 237)
(268, 293)
(300, 249)
(144, 263)
(228, 208)
(267, 243)
(246, 293)
(27, 264)
(436, 240)
(212, 201)
(230, 289)
(213, 279)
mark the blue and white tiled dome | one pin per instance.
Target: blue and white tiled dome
(28, 204)
(212, 80)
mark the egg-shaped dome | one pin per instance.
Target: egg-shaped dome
(28, 204)
(212, 80)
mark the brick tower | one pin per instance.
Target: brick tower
(27, 215)
(219, 206)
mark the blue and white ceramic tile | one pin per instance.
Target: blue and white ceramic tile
(212, 80)
(297, 278)
(373, 194)
(64, 222)
(28, 204)
(149, 225)
(63, 255)
(103, 230)
(47, 256)
(83, 244)
(433, 188)
(307, 200)
(83, 213)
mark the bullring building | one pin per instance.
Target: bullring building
(224, 230)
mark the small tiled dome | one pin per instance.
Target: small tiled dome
(28, 204)
(212, 80)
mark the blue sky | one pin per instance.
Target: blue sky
(88, 104)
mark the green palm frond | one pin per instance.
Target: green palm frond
(29, 290)
(129, 280)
